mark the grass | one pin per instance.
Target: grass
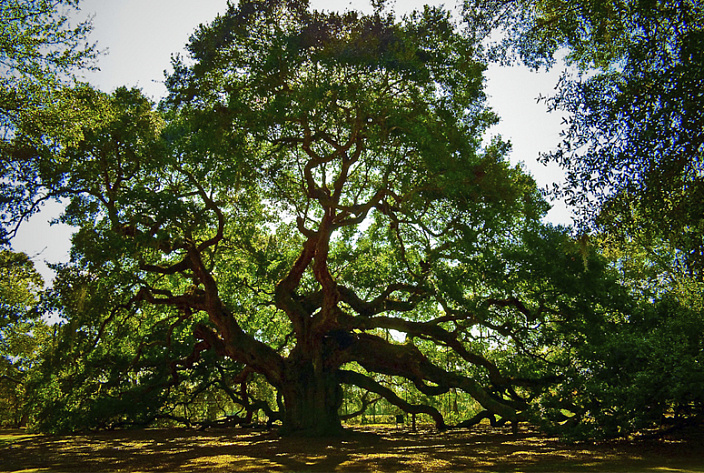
(13, 436)
(368, 449)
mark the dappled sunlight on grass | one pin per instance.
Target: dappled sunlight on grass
(11, 436)
(679, 470)
(230, 463)
(364, 449)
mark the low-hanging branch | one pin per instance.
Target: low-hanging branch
(378, 356)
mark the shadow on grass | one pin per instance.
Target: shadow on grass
(379, 449)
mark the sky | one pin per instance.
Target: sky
(139, 37)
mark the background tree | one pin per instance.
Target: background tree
(636, 369)
(40, 53)
(632, 150)
(633, 146)
(22, 334)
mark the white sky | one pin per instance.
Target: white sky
(140, 37)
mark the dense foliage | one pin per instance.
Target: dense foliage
(632, 152)
(41, 51)
(314, 226)
(23, 335)
(634, 141)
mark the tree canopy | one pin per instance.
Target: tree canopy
(22, 333)
(40, 54)
(632, 152)
(633, 145)
(314, 222)
(317, 180)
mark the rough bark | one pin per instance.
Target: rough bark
(312, 398)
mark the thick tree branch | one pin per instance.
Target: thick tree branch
(179, 267)
(431, 330)
(364, 382)
(383, 302)
(239, 345)
(285, 292)
(377, 355)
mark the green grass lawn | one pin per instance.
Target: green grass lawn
(364, 449)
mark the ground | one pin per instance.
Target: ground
(370, 449)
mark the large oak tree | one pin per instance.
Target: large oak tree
(317, 202)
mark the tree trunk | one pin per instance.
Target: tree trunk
(312, 398)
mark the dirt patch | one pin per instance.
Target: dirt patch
(371, 449)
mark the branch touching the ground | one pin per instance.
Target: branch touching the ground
(379, 356)
(364, 382)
